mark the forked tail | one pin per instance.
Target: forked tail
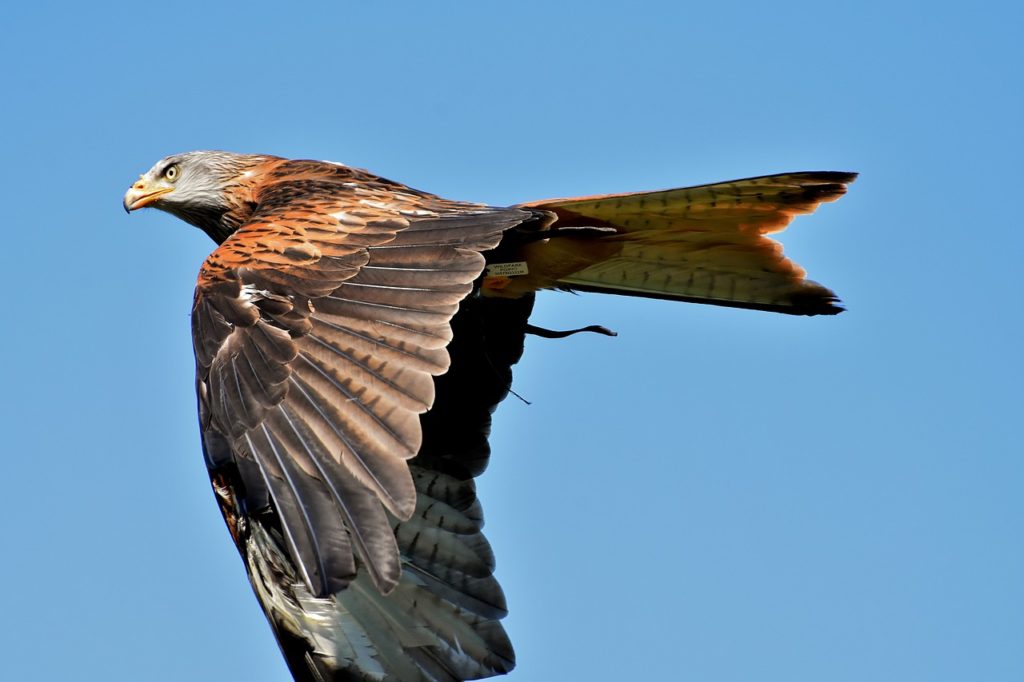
(703, 244)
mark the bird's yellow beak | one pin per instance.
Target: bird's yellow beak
(144, 192)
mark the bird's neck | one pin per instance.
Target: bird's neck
(233, 208)
(218, 223)
(221, 225)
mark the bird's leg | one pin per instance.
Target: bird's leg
(555, 334)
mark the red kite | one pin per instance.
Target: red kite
(352, 337)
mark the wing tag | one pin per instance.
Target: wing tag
(507, 269)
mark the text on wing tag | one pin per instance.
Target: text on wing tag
(507, 269)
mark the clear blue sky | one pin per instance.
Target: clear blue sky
(715, 495)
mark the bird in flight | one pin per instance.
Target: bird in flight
(353, 336)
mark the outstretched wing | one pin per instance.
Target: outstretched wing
(442, 621)
(318, 328)
(703, 244)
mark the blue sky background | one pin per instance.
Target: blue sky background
(715, 495)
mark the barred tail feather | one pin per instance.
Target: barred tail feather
(704, 244)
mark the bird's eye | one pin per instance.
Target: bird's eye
(171, 172)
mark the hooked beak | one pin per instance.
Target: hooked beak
(143, 193)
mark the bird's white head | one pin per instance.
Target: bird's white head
(204, 188)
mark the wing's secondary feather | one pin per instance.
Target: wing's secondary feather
(441, 621)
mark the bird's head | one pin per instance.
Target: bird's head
(208, 189)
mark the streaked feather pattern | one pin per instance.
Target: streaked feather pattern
(441, 620)
(344, 354)
(350, 351)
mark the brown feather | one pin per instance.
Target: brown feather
(701, 244)
(294, 311)
(347, 371)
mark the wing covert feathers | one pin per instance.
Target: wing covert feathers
(319, 326)
(703, 244)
